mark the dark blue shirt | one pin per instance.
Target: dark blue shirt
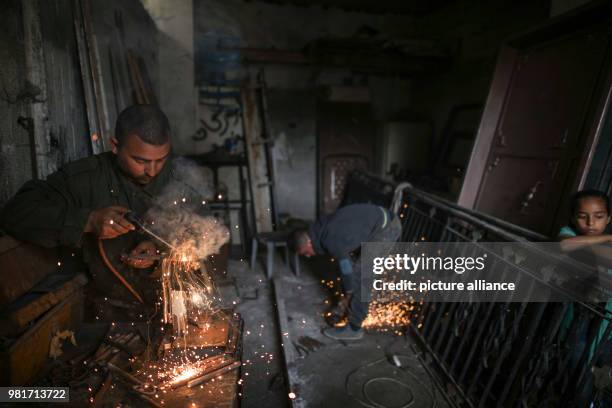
(342, 232)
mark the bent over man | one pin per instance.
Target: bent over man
(340, 234)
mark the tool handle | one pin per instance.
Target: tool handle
(134, 219)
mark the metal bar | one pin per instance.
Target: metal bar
(287, 347)
(504, 352)
(438, 323)
(476, 341)
(586, 367)
(525, 349)
(464, 337)
(414, 225)
(417, 228)
(451, 313)
(443, 368)
(207, 377)
(500, 227)
(408, 222)
(479, 329)
(92, 119)
(429, 229)
(554, 327)
(96, 74)
(452, 341)
(431, 325)
(113, 368)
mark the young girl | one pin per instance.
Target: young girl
(589, 221)
(589, 229)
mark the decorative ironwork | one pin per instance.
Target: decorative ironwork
(505, 353)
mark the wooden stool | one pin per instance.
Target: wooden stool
(273, 240)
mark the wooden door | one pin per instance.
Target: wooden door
(539, 135)
(346, 133)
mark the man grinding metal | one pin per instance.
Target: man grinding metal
(81, 208)
(339, 235)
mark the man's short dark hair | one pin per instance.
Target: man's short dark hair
(299, 239)
(148, 122)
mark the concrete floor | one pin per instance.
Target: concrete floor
(325, 373)
(263, 373)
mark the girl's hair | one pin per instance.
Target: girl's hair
(587, 194)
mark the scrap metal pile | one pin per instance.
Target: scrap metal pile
(191, 342)
(139, 368)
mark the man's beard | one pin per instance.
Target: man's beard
(140, 180)
(143, 180)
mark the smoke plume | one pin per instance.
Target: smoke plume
(179, 214)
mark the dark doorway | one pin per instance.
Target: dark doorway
(346, 134)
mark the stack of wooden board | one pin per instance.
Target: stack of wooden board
(36, 303)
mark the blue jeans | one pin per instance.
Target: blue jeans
(358, 307)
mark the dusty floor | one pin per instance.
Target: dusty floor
(263, 374)
(382, 370)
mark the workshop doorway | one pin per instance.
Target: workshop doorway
(346, 135)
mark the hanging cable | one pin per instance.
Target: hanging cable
(115, 272)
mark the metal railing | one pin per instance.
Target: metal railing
(503, 353)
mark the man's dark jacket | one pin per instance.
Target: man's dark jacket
(53, 213)
(342, 232)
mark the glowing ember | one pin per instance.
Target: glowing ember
(187, 374)
(383, 314)
(187, 297)
(187, 290)
(389, 315)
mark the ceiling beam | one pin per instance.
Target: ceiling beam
(397, 64)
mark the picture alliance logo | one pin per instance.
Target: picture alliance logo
(412, 264)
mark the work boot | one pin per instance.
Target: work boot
(346, 333)
(337, 316)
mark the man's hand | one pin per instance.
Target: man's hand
(143, 256)
(108, 223)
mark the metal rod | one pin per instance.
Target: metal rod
(124, 374)
(212, 364)
(505, 350)
(210, 376)
(154, 235)
(135, 220)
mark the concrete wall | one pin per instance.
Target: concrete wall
(177, 94)
(292, 89)
(293, 118)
